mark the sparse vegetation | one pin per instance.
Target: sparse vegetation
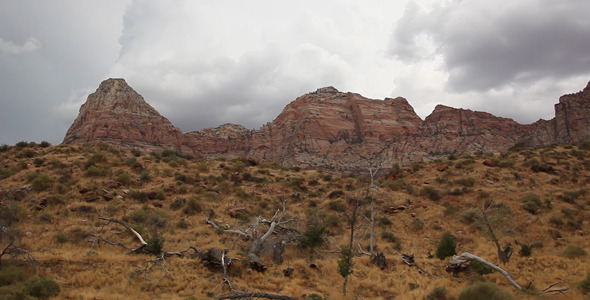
(50, 197)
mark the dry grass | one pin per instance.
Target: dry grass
(107, 272)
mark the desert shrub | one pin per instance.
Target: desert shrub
(470, 215)
(417, 225)
(531, 203)
(138, 195)
(44, 144)
(584, 285)
(484, 291)
(155, 244)
(94, 171)
(144, 177)
(525, 250)
(430, 193)
(160, 194)
(384, 221)
(124, 178)
(42, 287)
(42, 182)
(22, 144)
(446, 246)
(479, 267)
(46, 217)
(10, 274)
(438, 293)
(569, 196)
(61, 237)
(193, 206)
(38, 162)
(337, 205)
(4, 148)
(573, 251)
(10, 213)
(390, 237)
(178, 203)
(185, 178)
(98, 157)
(182, 224)
(313, 237)
(466, 182)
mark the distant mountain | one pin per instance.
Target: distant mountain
(327, 129)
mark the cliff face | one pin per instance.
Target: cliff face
(327, 129)
(118, 115)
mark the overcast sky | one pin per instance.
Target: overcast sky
(205, 63)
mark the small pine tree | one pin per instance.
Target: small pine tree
(446, 246)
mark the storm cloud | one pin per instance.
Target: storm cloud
(205, 63)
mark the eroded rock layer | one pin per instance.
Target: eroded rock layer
(327, 129)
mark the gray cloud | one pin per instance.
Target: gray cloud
(489, 45)
(31, 44)
(205, 63)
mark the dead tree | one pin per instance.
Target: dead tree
(277, 234)
(374, 165)
(503, 254)
(461, 262)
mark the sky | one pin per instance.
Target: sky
(205, 63)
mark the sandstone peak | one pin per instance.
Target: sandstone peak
(118, 115)
(327, 129)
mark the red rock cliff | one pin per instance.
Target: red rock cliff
(118, 115)
(327, 129)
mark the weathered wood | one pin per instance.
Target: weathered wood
(124, 224)
(460, 260)
(250, 295)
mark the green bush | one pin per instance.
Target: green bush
(556, 221)
(337, 205)
(531, 203)
(182, 224)
(390, 236)
(42, 182)
(525, 250)
(10, 274)
(470, 215)
(430, 193)
(466, 182)
(124, 178)
(438, 293)
(585, 284)
(61, 237)
(484, 291)
(94, 171)
(479, 267)
(573, 251)
(155, 245)
(42, 287)
(446, 246)
(193, 206)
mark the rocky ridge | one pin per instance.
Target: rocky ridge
(327, 129)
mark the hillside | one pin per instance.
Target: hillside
(53, 197)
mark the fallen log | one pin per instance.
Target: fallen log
(255, 295)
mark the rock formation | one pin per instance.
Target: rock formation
(327, 129)
(118, 115)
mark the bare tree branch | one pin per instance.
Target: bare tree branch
(464, 258)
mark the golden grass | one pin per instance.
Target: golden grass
(108, 272)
